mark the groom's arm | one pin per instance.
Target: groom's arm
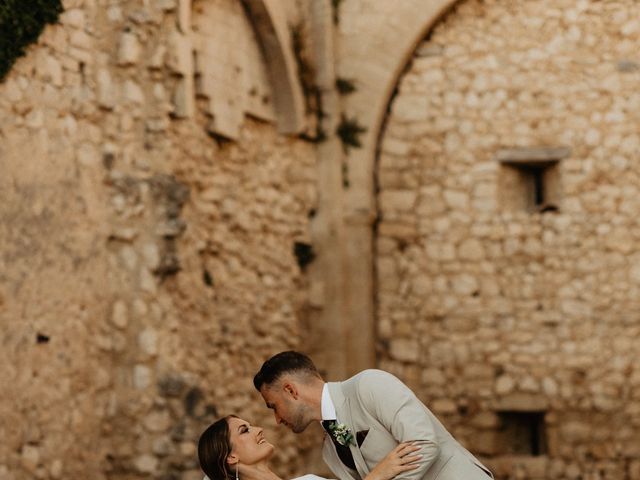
(397, 408)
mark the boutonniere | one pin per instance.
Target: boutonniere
(341, 433)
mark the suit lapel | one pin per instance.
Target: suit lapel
(331, 458)
(343, 412)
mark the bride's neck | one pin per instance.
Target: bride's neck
(263, 466)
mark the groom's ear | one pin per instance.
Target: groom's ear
(291, 390)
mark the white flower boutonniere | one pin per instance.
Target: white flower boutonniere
(341, 433)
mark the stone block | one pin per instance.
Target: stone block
(433, 377)
(166, 5)
(50, 70)
(521, 402)
(151, 255)
(129, 49)
(162, 446)
(81, 40)
(148, 341)
(141, 377)
(550, 386)
(505, 384)
(179, 56)
(157, 58)
(574, 432)
(317, 293)
(397, 230)
(404, 350)
(421, 286)
(146, 463)
(184, 16)
(486, 443)
(536, 155)
(147, 281)
(120, 315)
(444, 406)
(402, 200)
(157, 421)
(184, 98)
(11, 90)
(411, 108)
(471, 249)
(132, 92)
(74, 17)
(485, 420)
(535, 468)
(456, 199)
(88, 155)
(56, 469)
(464, 284)
(427, 49)
(30, 457)
(35, 119)
(394, 146)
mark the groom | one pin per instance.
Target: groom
(365, 417)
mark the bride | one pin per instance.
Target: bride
(231, 447)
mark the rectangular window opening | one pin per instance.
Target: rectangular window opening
(530, 178)
(523, 433)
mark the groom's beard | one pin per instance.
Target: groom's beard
(300, 422)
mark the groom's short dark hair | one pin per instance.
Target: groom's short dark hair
(281, 363)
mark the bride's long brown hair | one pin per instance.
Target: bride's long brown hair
(214, 447)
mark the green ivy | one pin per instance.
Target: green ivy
(349, 131)
(345, 86)
(21, 22)
(336, 10)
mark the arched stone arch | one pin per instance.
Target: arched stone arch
(373, 54)
(269, 22)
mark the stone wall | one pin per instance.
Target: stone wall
(490, 308)
(152, 213)
(148, 262)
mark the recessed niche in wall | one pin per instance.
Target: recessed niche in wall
(522, 433)
(530, 178)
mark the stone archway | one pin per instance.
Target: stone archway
(281, 102)
(269, 23)
(373, 54)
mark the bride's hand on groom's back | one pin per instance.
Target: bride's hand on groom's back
(400, 459)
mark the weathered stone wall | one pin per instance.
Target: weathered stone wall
(484, 307)
(147, 263)
(151, 211)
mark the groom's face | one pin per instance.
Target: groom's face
(287, 407)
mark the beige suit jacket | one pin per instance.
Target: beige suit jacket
(377, 401)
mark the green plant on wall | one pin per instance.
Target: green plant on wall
(336, 10)
(345, 86)
(307, 75)
(349, 131)
(21, 22)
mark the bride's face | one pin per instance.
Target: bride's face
(248, 444)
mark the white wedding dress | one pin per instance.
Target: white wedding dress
(308, 476)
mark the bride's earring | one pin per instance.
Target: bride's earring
(237, 477)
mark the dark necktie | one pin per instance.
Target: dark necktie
(343, 450)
